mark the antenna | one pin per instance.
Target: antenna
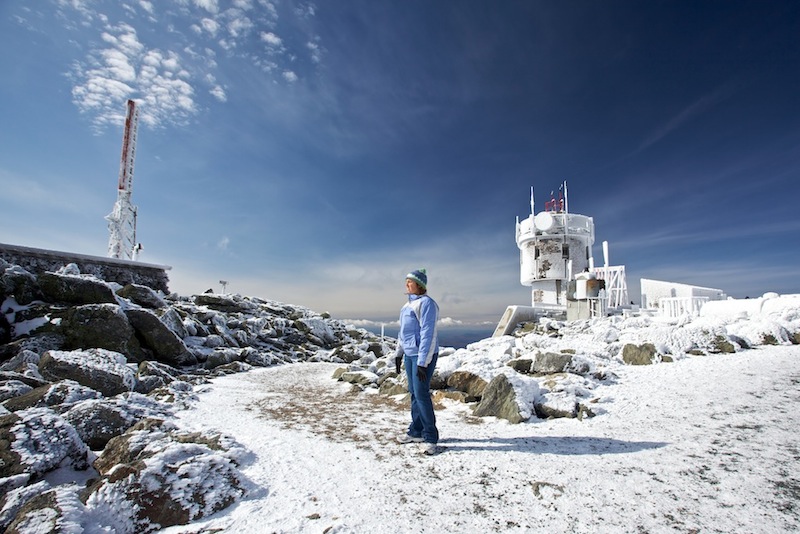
(533, 209)
(122, 219)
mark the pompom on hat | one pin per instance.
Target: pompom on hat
(420, 277)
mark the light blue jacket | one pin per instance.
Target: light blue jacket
(418, 335)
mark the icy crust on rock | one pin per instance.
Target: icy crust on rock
(44, 440)
(187, 479)
(107, 361)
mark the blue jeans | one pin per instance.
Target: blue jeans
(423, 420)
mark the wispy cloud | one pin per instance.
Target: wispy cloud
(693, 110)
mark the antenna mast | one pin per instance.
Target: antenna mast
(122, 220)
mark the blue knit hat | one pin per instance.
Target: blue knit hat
(420, 277)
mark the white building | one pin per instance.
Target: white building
(555, 256)
(672, 299)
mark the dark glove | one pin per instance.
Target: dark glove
(397, 364)
(422, 373)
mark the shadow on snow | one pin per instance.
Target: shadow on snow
(562, 445)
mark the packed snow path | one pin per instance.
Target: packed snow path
(707, 444)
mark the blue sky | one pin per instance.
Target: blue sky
(315, 152)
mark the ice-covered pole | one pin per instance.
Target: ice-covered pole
(122, 220)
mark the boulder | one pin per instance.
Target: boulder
(14, 493)
(225, 303)
(521, 365)
(51, 510)
(37, 343)
(98, 420)
(393, 386)
(19, 362)
(554, 406)
(499, 400)
(172, 319)
(221, 356)
(36, 441)
(142, 296)
(157, 337)
(99, 369)
(376, 349)
(154, 477)
(317, 330)
(361, 378)
(721, 344)
(74, 289)
(154, 375)
(64, 392)
(20, 284)
(13, 388)
(638, 354)
(345, 354)
(102, 326)
(471, 384)
(547, 363)
(29, 377)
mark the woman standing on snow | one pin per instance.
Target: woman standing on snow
(418, 342)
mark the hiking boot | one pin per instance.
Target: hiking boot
(405, 438)
(428, 449)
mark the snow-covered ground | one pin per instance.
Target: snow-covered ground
(705, 444)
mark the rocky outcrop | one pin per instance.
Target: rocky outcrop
(90, 366)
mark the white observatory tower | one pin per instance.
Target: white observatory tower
(554, 245)
(555, 261)
(122, 220)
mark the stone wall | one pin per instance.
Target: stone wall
(123, 272)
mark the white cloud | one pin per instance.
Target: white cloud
(209, 5)
(219, 93)
(118, 66)
(289, 76)
(271, 39)
(223, 243)
(316, 56)
(450, 322)
(209, 25)
(147, 6)
(239, 26)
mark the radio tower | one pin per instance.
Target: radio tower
(122, 220)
